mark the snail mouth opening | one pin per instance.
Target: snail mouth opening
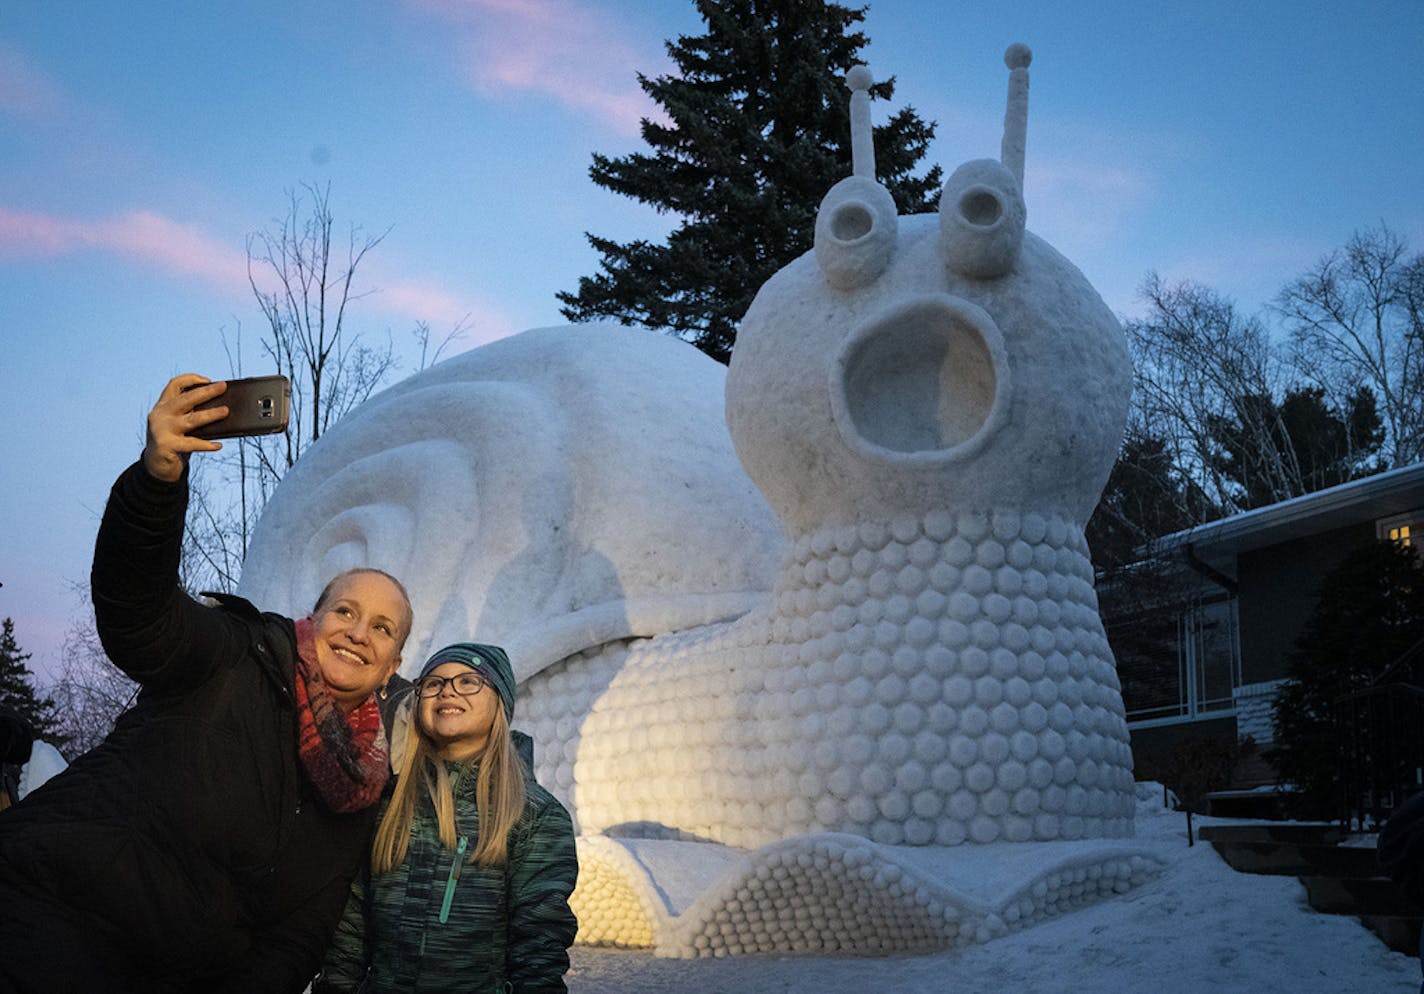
(925, 382)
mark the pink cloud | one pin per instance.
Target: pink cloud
(421, 302)
(558, 49)
(35, 236)
(141, 236)
(407, 301)
(175, 247)
(168, 246)
(483, 320)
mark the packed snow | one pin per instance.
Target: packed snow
(1198, 926)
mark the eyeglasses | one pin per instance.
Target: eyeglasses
(465, 684)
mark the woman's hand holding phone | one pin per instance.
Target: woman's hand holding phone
(193, 411)
(173, 419)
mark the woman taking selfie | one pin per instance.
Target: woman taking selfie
(472, 863)
(209, 842)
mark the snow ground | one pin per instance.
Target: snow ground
(1198, 926)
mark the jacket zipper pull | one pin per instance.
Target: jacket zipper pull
(454, 876)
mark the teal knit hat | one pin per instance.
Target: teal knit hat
(489, 661)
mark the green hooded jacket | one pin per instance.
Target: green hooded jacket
(443, 924)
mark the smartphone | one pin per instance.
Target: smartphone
(256, 405)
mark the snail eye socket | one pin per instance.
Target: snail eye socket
(980, 208)
(850, 222)
(856, 228)
(981, 220)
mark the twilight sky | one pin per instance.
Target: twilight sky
(142, 142)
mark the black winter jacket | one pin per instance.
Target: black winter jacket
(188, 848)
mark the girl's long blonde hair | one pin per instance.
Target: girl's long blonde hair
(499, 796)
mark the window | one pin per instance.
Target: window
(1407, 529)
(1178, 664)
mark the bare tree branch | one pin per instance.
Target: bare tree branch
(1355, 320)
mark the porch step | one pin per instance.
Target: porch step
(1358, 896)
(1399, 932)
(1288, 833)
(1300, 859)
(1271, 805)
(1339, 880)
(1252, 770)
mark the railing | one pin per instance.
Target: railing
(1408, 668)
(1381, 741)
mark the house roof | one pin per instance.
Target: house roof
(1218, 543)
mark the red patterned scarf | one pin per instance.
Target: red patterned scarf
(344, 755)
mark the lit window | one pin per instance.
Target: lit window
(1406, 529)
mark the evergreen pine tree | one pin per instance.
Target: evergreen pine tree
(1301, 438)
(17, 689)
(1371, 609)
(759, 130)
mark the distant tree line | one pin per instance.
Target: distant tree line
(18, 691)
(1233, 412)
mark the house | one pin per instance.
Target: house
(1203, 631)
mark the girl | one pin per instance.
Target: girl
(472, 862)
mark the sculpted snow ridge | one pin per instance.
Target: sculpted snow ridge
(547, 492)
